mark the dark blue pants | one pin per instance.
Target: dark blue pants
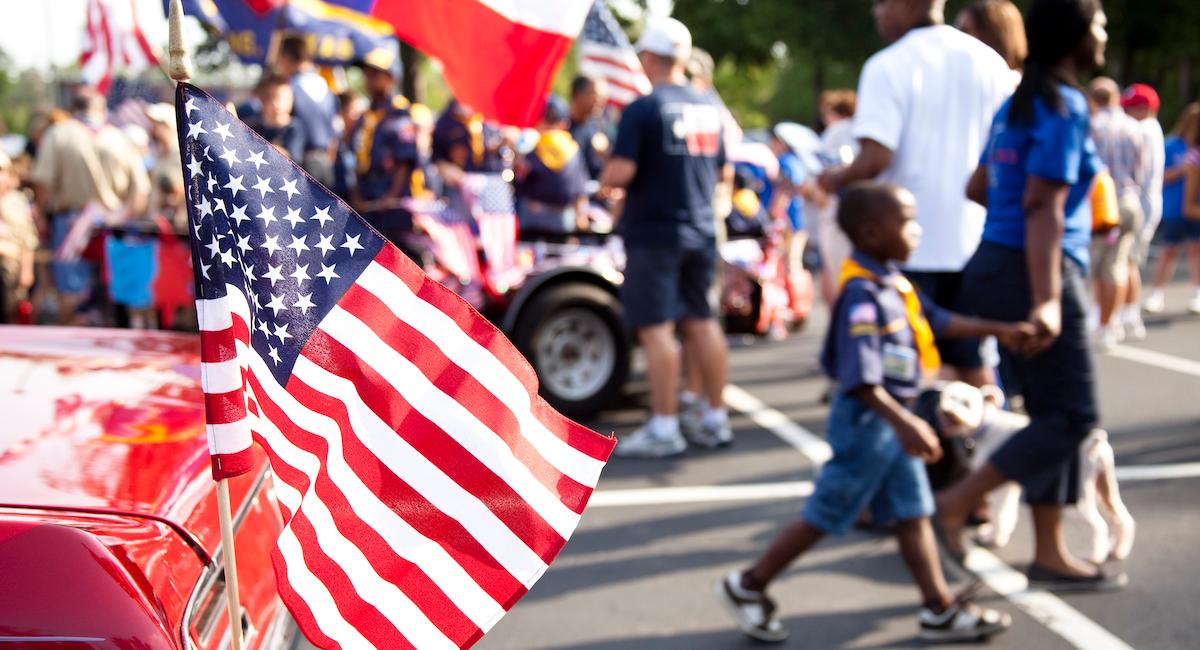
(1058, 385)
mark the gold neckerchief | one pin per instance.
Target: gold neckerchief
(927, 351)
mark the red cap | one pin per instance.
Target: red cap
(1140, 95)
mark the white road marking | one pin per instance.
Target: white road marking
(803, 489)
(808, 443)
(1052, 611)
(1156, 359)
(700, 494)
(1048, 609)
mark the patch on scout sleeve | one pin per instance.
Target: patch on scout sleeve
(864, 319)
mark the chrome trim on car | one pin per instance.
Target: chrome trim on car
(214, 569)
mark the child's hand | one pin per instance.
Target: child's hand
(919, 439)
(1015, 336)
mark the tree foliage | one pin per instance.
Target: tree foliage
(798, 48)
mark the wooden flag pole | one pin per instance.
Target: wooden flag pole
(179, 68)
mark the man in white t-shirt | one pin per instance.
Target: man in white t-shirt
(925, 106)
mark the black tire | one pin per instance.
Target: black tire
(578, 315)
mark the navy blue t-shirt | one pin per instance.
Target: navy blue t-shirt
(674, 136)
(593, 140)
(869, 342)
(557, 187)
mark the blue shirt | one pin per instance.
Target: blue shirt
(384, 140)
(869, 342)
(556, 187)
(1057, 147)
(314, 107)
(591, 137)
(791, 170)
(674, 136)
(1177, 151)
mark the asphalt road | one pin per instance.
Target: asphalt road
(639, 576)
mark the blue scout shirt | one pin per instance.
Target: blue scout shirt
(557, 175)
(480, 139)
(1176, 150)
(383, 140)
(674, 136)
(590, 135)
(1055, 147)
(869, 342)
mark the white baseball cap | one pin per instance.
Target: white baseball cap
(666, 37)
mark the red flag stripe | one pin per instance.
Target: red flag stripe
(335, 516)
(407, 503)
(578, 439)
(441, 449)
(225, 408)
(450, 378)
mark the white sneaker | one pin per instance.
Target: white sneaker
(1194, 305)
(645, 444)
(963, 621)
(1108, 337)
(1155, 302)
(753, 611)
(1135, 327)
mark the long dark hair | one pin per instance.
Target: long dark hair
(1054, 30)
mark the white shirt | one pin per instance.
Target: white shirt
(1152, 202)
(930, 98)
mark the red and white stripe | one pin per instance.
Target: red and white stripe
(113, 40)
(498, 237)
(618, 67)
(425, 486)
(498, 56)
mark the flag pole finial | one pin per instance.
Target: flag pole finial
(179, 66)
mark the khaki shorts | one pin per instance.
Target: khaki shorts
(1113, 251)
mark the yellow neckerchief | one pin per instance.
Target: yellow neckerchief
(370, 121)
(922, 332)
(474, 126)
(555, 148)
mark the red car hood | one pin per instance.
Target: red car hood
(106, 421)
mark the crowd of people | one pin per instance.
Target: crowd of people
(970, 156)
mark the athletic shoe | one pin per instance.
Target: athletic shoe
(962, 621)
(1194, 305)
(1155, 302)
(1108, 337)
(691, 417)
(1135, 327)
(711, 436)
(645, 444)
(1103, 580)
(753, 611)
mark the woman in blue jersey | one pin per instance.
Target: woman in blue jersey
(1035, 177)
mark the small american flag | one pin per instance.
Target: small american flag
(453, 242)
(605, 52)
(424, 485)
(490, 200)
(112, 39)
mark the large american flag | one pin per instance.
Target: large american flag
(605, 52)
(424, 485)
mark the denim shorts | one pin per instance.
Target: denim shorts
(868, 468)
(664, 285)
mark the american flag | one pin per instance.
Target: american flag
(605, 52)
(424, 485)
(453, 242)
(112, 39)
(489, 197)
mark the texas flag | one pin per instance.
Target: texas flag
(498, 56)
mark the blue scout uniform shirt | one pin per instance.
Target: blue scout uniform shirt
(384, 139)
(289, 138)
(1056, 146)
(674, 136)
(592, 138)
(869, 342)
(557, 174)
(478, 137)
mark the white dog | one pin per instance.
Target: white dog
(964, 410)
